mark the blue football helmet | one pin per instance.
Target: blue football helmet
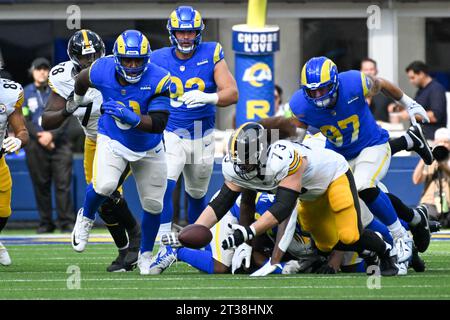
(319, 82)
(132, 44)
(185, 18)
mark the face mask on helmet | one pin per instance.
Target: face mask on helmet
(131, 55)
(322, 97)
(182, 24)
(246, 150)
(84, 48)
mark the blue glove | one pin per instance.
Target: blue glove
(121, 113)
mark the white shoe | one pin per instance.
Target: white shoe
(404, 247)
(80, 233)
(5, 260)
(163, 260)
(144, 262)
(402, 268)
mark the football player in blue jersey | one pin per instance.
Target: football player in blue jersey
(201, 81)
(335, 103)
(134, 114)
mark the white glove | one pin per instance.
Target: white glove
(12, 144)
(241, 254)
(197, 98)
(413, 109)
(171, 239)
(81, 100)
(239, 236)
(266, 269)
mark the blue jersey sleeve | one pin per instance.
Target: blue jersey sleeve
(161, 100)
(218, 53)
(297, 106)
(358, 82)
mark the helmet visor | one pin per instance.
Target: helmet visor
(319, 92)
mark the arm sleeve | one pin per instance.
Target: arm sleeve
(159, 120)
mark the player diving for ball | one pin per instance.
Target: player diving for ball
(201, 81)
(335, 103)
(320, 178)
(134, 114)
(11, 100)
(84, 47)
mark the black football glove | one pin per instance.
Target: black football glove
(239, 236)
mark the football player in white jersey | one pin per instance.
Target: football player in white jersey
(320, 178)
(11, 100)
(84, 47)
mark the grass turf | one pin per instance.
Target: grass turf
(41, 272)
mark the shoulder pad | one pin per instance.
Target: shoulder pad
(283, 159)
(12, 94)
(60, 79)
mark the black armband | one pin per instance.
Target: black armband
(159, 120)
(224, 201)
(285, 201)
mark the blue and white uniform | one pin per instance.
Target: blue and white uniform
(119, 144)
(189, 137)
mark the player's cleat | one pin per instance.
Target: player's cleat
(435, 226)
(402, 268)
(417, 262)
(144, 262)
(388, 262)
(421, 232)
(164, 259)
(420, 145)
(80, 233)
(403, 247)
(5, 259)
(118, 265)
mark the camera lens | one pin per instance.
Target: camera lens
(440, 153)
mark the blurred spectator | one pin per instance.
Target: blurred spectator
(436, 195)
(431, 95)
(280, 108)
(48, 154)
(380, 105)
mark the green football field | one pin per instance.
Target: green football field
(46, 271)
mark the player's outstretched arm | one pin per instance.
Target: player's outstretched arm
(375, 85)
(55, 112)
(226, 85)
(220, 205)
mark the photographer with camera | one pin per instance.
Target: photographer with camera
(436, 195)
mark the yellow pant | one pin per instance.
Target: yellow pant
(5, 189)
(89, 153)
(332, 217)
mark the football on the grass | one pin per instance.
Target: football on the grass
(195, 236)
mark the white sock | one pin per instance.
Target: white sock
(409, 142)
(416, 220)
(396, 229)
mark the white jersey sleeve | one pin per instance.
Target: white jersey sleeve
(61, 80)
(11, 98)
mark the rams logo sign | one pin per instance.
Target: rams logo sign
(257, 74)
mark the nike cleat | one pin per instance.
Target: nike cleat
(81, 230)
(5, 259)
(420, 145)
(164, 259)
(421, 232)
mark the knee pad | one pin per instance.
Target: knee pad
(369, 195)
(106, 212)
(196, 193)
(106, 188)
(341, 198)
(348, 236)
(151, 205)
